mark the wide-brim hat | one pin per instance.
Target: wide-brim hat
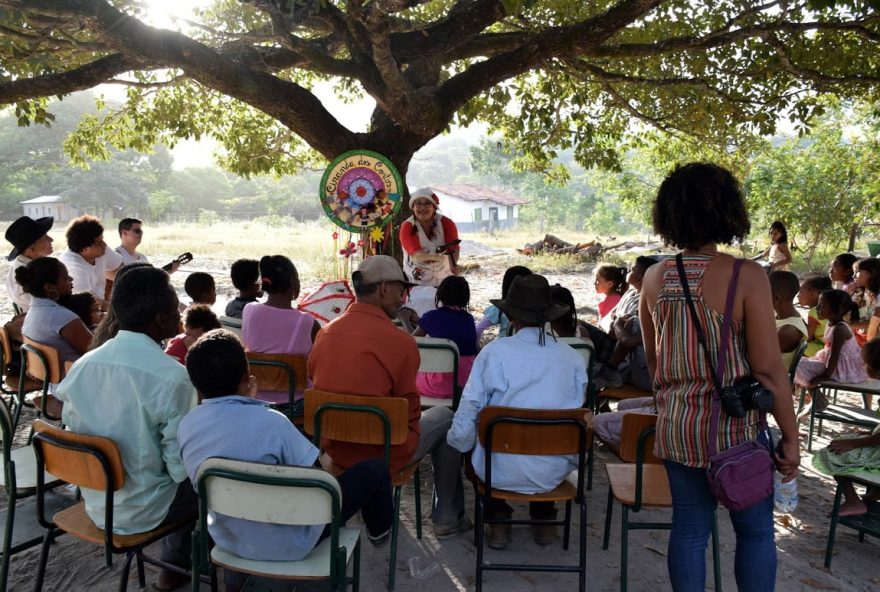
(424, 193)
(26, 231)
(529, 300)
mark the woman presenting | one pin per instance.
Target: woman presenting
(429, 240)
(698, 207)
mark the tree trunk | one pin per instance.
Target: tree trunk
(853, 232)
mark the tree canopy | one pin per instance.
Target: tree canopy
(548, 74)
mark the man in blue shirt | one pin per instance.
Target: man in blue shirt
(129, 390)
(229, 423)
(529, 370)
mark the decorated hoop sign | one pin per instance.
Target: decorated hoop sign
(360, 190)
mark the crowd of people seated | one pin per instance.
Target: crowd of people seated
(173, 390)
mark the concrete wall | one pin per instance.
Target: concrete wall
(476, 215)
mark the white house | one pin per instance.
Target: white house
(49, 205)
(474, 207)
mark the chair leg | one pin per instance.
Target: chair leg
(126, 569)
(356, 573)
(417, 485)
(608, 510)
(395, 524)
(590, 469)
(44, 558)
(566, 530)
(832, 529)
(716, 554)
(479, 539)
(582, 577)
(624, 545)
(7, 538)
(812, 422)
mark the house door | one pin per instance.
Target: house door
(493, 219)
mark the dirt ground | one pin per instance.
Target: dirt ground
(801, 536)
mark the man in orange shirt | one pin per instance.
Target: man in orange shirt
(363, 353)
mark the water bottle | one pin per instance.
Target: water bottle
(785, 495)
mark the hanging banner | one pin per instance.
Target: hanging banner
(360, 190)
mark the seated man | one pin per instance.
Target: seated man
(89, 262)
(362, 353)
(529, 370)
(231, 424)
(129, 390)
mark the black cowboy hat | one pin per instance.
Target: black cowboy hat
(528, 300)
(26, 231)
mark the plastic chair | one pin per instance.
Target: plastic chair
(279, 377)
(868, 523)
(19, 481)
(382, 421)
(641, 482)
(510, 430)
(263, 493)
(90, 462)
(440, 355)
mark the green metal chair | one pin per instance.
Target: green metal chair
(42, 363)
(641, 482)
(863, 418)
(547, 432)
(382, 421)
(275, 494)
(279, 377)
(868, 523)
(440, 355)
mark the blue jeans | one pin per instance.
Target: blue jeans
(692, 507)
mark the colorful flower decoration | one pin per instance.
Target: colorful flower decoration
(377, 234)
(335, 235)
(350, 250)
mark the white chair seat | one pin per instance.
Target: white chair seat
(25, 469)
(315, 565)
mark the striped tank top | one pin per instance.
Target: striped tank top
(683, 380)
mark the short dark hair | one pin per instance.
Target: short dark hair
(817, 282)
(841, 302)
(244, 273)
(784, 283)
(562, 295)
(360, 288)
(846, 260)
(872, 266)
(779, 226)
(511, 274)
(700, 203)
(453, 291)
(216, 363)
(200, 316)
(81, 232)
(127, 223)
(871, 356)
(198, 283)
(37, 273)
(645, 262)
(81, 304)
(139, 295)
(277, 273)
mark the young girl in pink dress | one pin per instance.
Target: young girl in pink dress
(841, 358)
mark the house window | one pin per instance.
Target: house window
(510, 212)
(478, 214)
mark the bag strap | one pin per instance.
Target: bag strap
(717, 369)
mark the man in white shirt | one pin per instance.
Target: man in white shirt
(529, 370)
(89, 262)
(30, 240)
(130, 235)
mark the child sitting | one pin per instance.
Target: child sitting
(85, 306)
(567, 325)
(790, 327)
(231, 424)
(199, 286)
(199, 320)
(840, 359)
(842, 274)
(854, 453)
(808, 296)
(866, 298)
(493, 315)
(449, 320)
(245, 275)
(610, 284)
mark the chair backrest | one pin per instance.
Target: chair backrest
(6, 347)
(356, 419)
(437, 355)
(798, 354)
(42, 362)
(231, 324)
(533, 431)
(269, 493)
(279, 372)
(633, 440)
(86, 461)
(581, 346)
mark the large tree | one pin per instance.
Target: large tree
(548, 74)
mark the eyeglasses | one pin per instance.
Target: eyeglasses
(136, 230)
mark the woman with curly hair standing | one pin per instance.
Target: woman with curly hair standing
(698, 207)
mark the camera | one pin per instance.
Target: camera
(745, 394)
